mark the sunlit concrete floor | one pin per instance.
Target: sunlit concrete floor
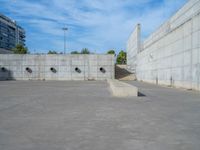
(73, 115)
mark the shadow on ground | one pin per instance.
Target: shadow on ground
(141, 94)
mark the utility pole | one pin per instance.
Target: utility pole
(65, 30)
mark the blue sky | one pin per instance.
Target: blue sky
(98, 25)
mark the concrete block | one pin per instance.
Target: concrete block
(187, 43)
(187, 29)
(121, 89)
(187, 57)
(187, 73)
(196, 24)
(195, 73)
(195, 56)
(195, 39)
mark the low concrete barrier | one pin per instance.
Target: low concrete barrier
(121, 89)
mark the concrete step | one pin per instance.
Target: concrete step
(121, 89)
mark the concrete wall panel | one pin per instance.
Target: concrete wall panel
(56, 67)
(133, 48)
(171, 55)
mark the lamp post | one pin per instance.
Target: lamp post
(64, 29)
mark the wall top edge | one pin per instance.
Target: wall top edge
(58, 54)
(189, 4)
(137, 26)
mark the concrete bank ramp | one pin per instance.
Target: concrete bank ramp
(122, 73)
(121, 89)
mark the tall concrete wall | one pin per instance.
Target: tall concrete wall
(171, 55)
(133, 46)
(56, 67)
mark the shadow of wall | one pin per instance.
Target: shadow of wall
(6, 74)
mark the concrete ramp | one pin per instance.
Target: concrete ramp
(122, 74)
(121, 89)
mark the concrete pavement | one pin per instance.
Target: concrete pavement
(83, 115)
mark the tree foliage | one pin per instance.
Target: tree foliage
(52, 52)
(20, 49)
(121, 57)
(85, 51)
(111, 52)
(74, 52)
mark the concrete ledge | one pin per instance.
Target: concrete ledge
(121, 89)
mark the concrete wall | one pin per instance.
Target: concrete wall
(133, 47)
(56, 67)
(171, 55)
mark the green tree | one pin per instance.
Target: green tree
(52, 52)
(85, 51)
(121, 57)
(20, 49)
(74, 52)
(111, 52)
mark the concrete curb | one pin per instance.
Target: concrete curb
(121, 89)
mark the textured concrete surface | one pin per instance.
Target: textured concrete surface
(122, 89)
(56, 67)
(133, 48)
(83, 115)
(170, 55)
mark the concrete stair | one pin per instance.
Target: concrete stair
(122, 74)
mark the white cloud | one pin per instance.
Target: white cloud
(97, 24)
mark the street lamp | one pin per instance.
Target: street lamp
(64, 29)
